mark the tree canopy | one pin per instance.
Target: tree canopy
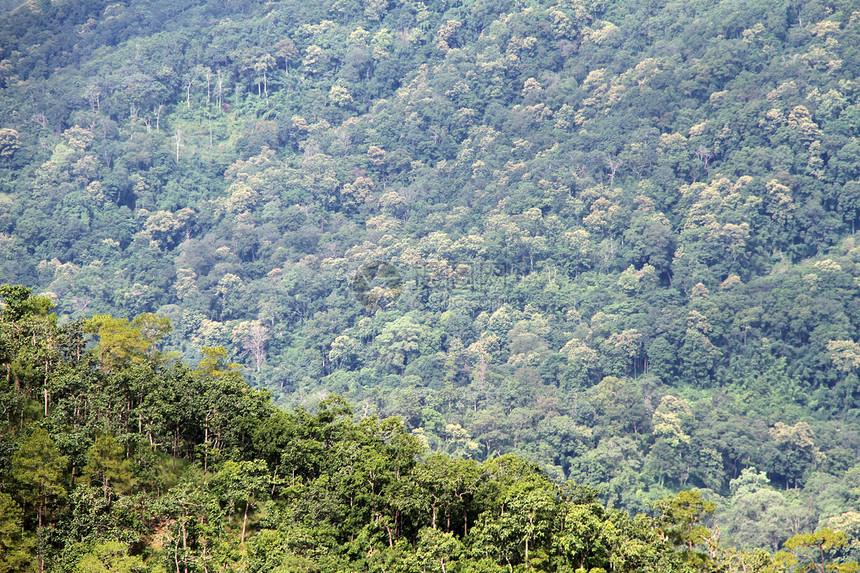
(614, 239)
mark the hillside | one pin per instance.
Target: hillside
(117, 458)
(613, 238)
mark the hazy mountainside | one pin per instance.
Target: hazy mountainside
(616, 238)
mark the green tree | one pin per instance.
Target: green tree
(110, 557)
(107, 465)
(38, 467)
(243, 483)
(119, 342)
(438, 549)
(519, 529)
(584, 539)
(681, 521)
(152, 328)
(812, 551)
(15, 546)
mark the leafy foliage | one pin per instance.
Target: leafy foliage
(321, 491)
(619, 241)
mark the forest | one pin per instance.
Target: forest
(118, 457)
(612, 240)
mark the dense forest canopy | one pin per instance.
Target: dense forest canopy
(615, 239)
(116, 457)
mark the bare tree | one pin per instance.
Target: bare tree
(188, 89)
(255, 344)
(158, 117)
(612, 164)
(704, 155)
(220, 88)
(208, 85)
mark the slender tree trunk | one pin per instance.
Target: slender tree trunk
(184, 547)
(527, 552)
(41, 555)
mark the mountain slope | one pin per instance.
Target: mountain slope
(620, 239)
